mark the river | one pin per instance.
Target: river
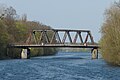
(62, 66)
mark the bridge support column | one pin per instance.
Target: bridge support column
(94, 52)
(25, 54)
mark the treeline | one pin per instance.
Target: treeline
(15, 29)
(110, 41)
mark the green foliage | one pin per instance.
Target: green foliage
(43, 51)
(4, 39)
(17, 31)
(110, 41)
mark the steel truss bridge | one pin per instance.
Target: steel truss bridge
(58, 38)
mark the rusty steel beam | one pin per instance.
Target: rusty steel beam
(91, 37)
(62, 30)
(86, 39)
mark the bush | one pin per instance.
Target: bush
(110, 41)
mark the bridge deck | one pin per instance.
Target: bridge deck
(53, 45)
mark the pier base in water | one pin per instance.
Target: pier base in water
(25, 54)
(94, 53)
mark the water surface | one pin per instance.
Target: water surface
(63, 66)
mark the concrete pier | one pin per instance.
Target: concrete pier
(25, 54)
(94, 53)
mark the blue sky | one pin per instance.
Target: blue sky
(69, 14)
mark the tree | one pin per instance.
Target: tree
(14, 30)
(110, 41)
(2, 11)
(24, 17)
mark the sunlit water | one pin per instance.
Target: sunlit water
(63, 66)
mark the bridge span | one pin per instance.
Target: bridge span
(52, 45)
(59, 38)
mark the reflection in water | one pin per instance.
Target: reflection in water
(63, 66)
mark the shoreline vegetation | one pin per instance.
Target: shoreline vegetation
(15, 29)
(110, 41)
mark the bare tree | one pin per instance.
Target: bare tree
(7, 12)
(2, 11)
(24, 17)
(10, 13)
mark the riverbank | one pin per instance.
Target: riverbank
(34, 52)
